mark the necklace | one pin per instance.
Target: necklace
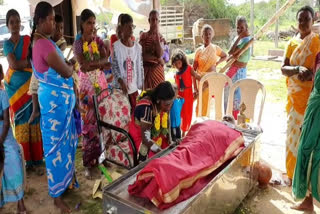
(41, 35)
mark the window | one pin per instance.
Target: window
(4, 30)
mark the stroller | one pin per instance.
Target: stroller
(112, 110)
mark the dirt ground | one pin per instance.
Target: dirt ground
(38, 201)
(273, 200)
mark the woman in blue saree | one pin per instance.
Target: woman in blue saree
(57, 101)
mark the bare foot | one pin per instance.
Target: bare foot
(87, 173)
(58, 202)
(21, 208)
(306, 205)
(287, 180)
(33, 116)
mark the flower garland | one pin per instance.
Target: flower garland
(89, 56)
(159, 142)
(157, 122)
(94, 55)
(95, 50)
(164, 121)
(86, 53)
(160, 127)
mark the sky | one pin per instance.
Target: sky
(237, 2)
(23, 6)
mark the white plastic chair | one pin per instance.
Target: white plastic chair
(249, 89)
(216, 83)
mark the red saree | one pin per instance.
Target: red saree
(171, 179)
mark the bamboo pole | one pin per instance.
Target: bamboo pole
(231, 60)
(274, 18)
(252, 21)
(261, 31)
(276, 39)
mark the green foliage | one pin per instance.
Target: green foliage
(221, 9)
(103, 18)
(208, 9)
(263, 11)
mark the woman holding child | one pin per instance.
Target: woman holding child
(298, 67)
(91, 55)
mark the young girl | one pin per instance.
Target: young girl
(11, 181)
(184, 79)
(127, 65)
(175, 115)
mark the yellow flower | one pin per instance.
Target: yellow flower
(159, 142)
(85, 47)
(143, 93)
(164, 121)
(77, 66)
(94, 47)
(157, 122)
(96, 85)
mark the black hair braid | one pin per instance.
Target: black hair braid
(34, 27)
(43, 9)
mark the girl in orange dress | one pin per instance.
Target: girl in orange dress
(184, 79)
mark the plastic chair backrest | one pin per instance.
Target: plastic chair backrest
(216, 83)
(249, 89)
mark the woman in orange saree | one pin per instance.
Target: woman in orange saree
(298, 67)
(206, 59)
(17, 81)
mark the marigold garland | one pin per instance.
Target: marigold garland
(86, 53)
(157, 122)
(164, 121)
(159, 142)
(92, 54)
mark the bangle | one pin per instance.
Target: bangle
(297, 68)
(143, 150)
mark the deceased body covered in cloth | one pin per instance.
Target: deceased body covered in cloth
(170, 179)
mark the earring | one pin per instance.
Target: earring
(158, 101)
